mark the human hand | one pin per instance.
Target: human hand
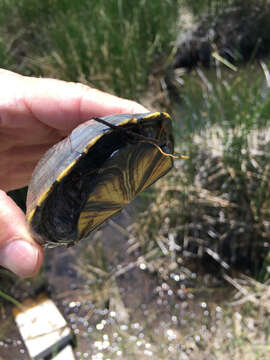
(36, 113)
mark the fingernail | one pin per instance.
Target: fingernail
(20, 257)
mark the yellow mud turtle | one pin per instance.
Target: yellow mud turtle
(93, 173)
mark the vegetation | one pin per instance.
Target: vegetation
(202, 8)
(216, 204)
(109, 44)
(208, 221)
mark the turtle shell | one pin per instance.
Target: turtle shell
(92, 174)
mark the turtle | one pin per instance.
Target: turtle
(95, 172)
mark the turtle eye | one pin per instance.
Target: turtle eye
(114, 153)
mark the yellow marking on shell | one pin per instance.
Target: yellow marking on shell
(91, 143)
(128, 121)
(30, 215)
(58, 179)
(157, 114)
(39, 202)
(149, 116)
(66, 171)
(43, 196)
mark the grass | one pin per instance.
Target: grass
(208, 222)
(9, 298)
(234, 323)
(111, 45)
(216, 204)
(209, 216)
(226, 98)
(202, 8)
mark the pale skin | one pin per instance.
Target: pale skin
(36, 113)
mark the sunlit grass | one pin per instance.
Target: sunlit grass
(215, 7)
(210, 213)
(225, 98)
(217, 202)
(109, 44)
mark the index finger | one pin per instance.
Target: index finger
(58, 104)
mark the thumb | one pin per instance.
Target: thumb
(18, 251)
